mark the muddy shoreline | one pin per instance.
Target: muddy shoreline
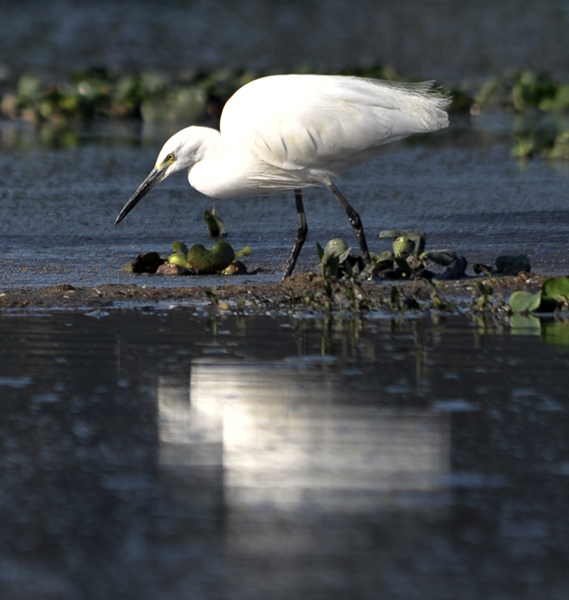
(304, 292)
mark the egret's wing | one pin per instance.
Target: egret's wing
(297, 122)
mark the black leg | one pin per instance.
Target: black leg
(300, 238)
(354, 220)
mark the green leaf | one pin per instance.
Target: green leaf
(394, 295)
(336, 247)
(180, 259)
(440, 257)
(438, 302)
(403, 246)
(245, 251)
(214, 224)
(386, 255)
(330, 266)
(214, 260)
(522, 301)
(179, 247)
(406, 270)
(484, 289)
(556, 287)
(212, 296)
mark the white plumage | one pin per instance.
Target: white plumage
(287, 132)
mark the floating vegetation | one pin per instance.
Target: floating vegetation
(409, 259)
(522, 91)
(221, 259)
(199, 97)
(198, 260)
(97, 93)
(155, 97)
(553, 295)
(337, 261)
(505, 264)
(345, 278)
(214, 260)
(541, 141)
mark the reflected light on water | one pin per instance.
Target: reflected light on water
(164, 456)
(287, 435)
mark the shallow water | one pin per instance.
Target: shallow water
(167, 455)
(460, 186)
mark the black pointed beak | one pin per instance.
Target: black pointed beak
(154, 177)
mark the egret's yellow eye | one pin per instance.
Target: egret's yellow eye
(168, 160)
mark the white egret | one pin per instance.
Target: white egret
(288, 132)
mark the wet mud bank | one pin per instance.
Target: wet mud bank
(306, 293)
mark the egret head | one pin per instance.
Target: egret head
(181, 151)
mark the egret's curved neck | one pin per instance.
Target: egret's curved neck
(204, 175)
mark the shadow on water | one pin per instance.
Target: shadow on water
(161, 455)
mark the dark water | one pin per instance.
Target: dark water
(163, 455)
(442, 39)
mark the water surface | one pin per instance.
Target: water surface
(442, 39)
(162, 454)
(58, 204)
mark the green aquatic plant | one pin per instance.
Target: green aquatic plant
(485, 293)
(524, 302)
(560, 147)
(521, 91)
(214, 260)
(244, 252)
(219, 259)
(179, 247)
(409, 258)
(160, 98)
(179, 255)
(214, 223)
(552, 295)
(403, 246)
(177, 103)
(531, 90)
(336, 259)
(180, 259)
(556, 288)
(544, 142)
(400, 301)
(405, 242)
